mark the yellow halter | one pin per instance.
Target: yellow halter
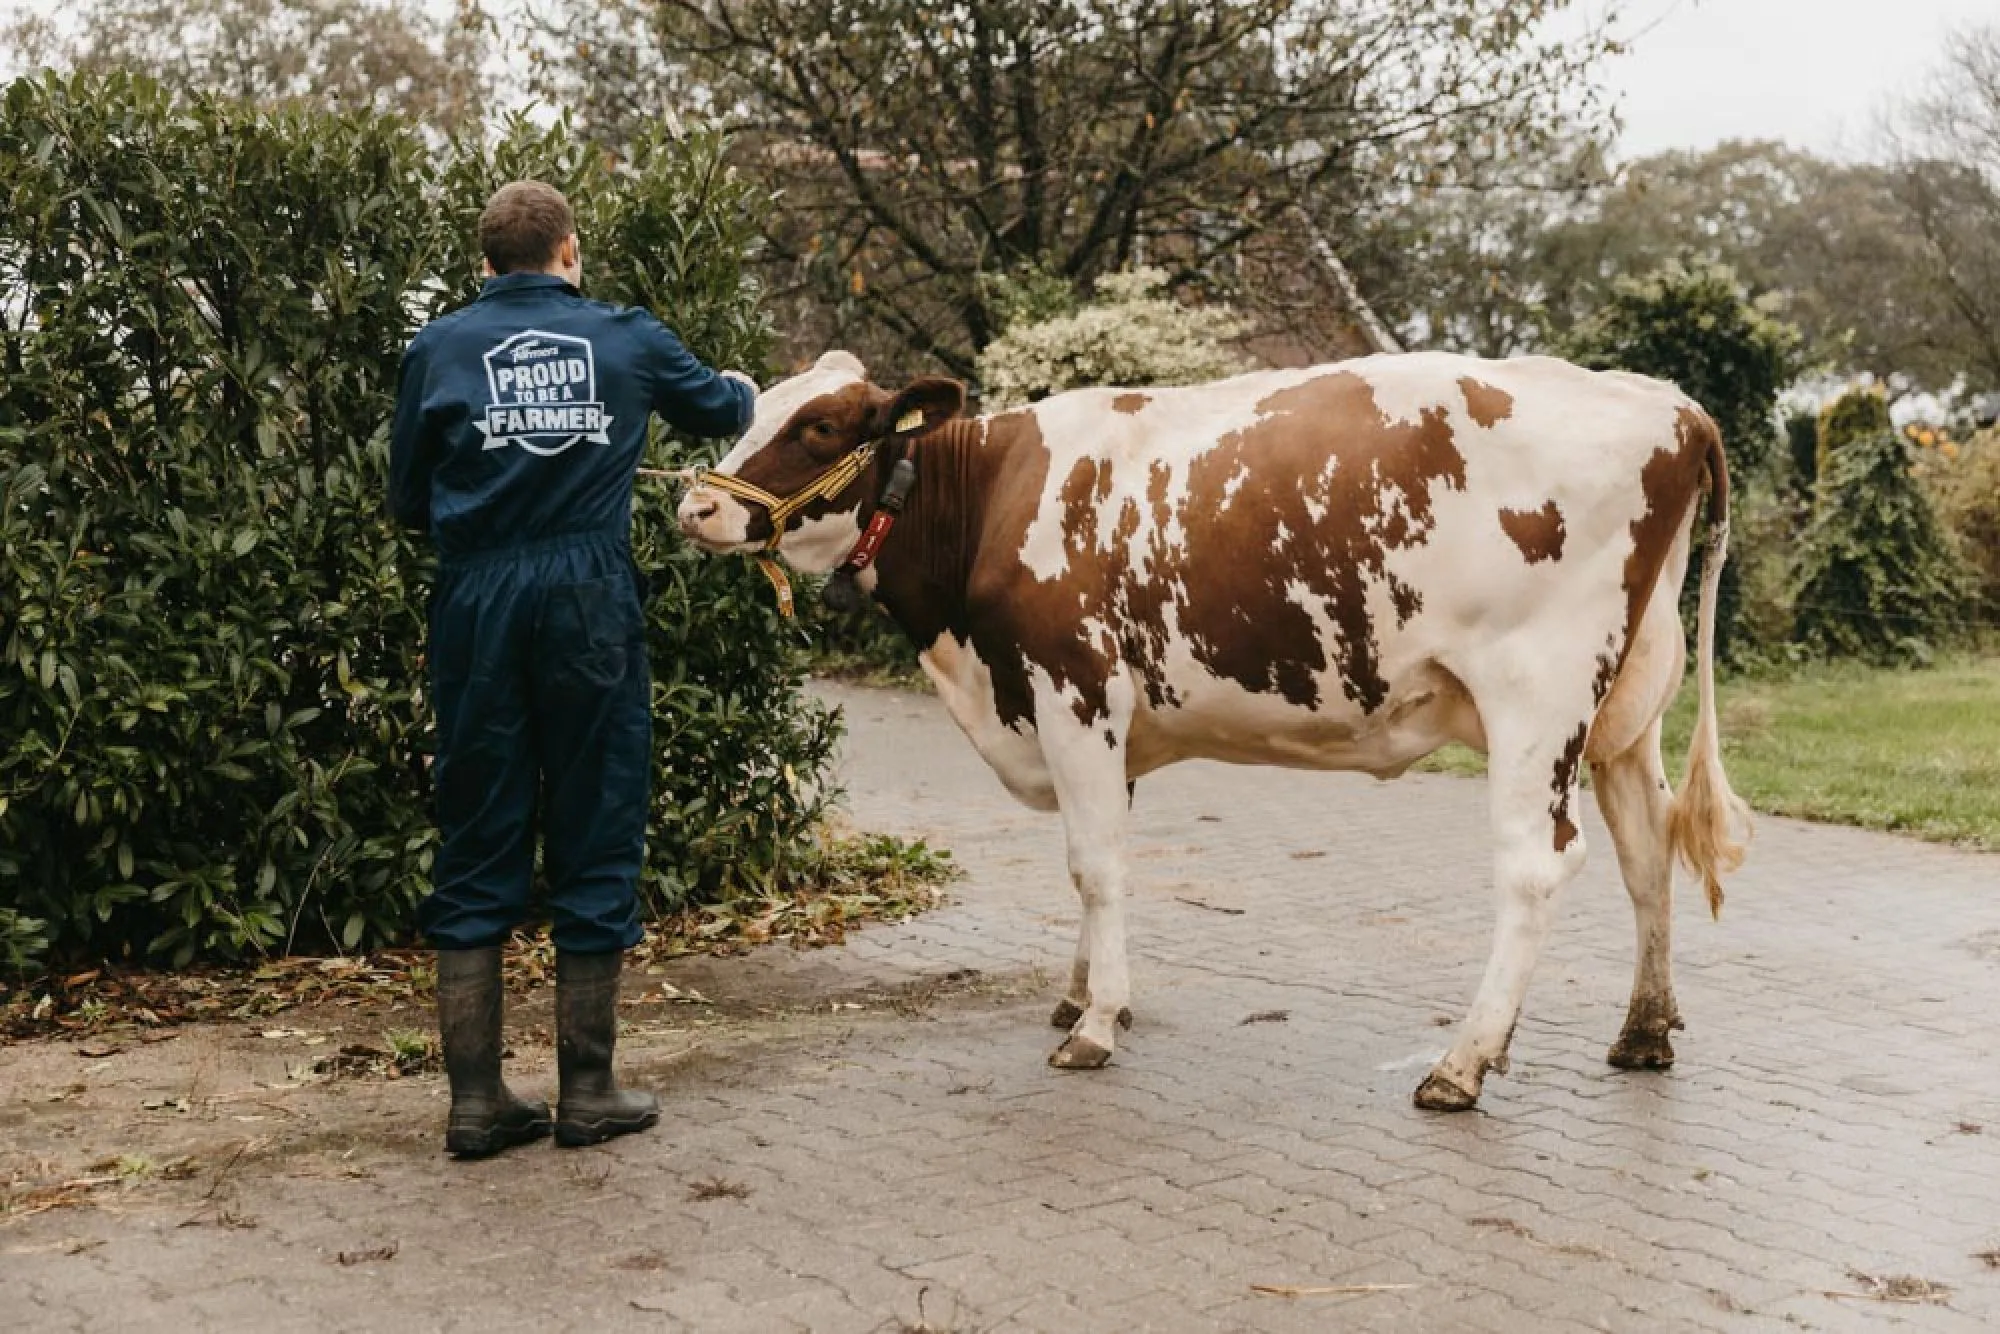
(780, 509)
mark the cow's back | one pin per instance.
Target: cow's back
(1305, 553)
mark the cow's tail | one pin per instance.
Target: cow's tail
(1711, 824)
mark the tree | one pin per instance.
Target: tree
(1877, 578)
(925, 147)
(1946, 150)
(1829, 245)
(1694, 326)
(339, 54)
(1475, 270)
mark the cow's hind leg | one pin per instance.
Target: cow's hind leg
(1632, 792)
(1087, 765)
(1532, 768)
(1630, 782)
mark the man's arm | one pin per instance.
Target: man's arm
(412, 455)
(691, 396)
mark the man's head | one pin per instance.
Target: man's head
(528, 228)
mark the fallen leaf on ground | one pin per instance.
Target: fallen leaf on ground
(717, 1188)
(1907, 1289)
(368, 1257)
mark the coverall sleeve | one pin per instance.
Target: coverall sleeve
(412, 450)
(692, 397)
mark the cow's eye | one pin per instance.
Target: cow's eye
(820, 430)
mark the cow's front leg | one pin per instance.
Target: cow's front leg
(1532, 779)
(1077, 998)
(1087, 765)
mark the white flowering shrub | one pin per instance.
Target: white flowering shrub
(1132, 335)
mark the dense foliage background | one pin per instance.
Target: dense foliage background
(213, 738)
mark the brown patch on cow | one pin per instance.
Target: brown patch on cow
(1241, 560)
(1607, 670)
(1564, 786)
(1539, 533)
(1486, 404)
(1670, 480)
(1130, 403)
(1407, 601)
(1145, 626)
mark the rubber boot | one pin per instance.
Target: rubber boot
(590, 1107)
(486, 1117)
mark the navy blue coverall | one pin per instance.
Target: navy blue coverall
(519, 422)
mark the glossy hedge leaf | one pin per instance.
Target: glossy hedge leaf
(212, 675)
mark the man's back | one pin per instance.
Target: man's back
(523, 415)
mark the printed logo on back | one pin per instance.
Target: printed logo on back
(544, 394)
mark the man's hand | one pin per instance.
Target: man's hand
(739, 375)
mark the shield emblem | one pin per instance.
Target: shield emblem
(542, 394)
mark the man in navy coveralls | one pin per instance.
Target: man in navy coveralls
(519, 422)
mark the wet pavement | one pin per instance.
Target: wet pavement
(888, 1151)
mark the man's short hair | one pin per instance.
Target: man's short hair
(523, 226)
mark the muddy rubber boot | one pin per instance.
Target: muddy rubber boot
(486, 1117)
(590, 1107)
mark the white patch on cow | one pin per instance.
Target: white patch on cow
(727, 530)
(815, 546)
(1405, 392)
(776, 405)
(965, 685)
(1234, 485)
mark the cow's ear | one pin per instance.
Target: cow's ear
(923, 405)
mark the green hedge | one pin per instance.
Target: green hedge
(213, 739)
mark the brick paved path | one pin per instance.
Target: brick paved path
(1840, 1053)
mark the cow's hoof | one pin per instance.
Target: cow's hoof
(1641, 1051)
(1067, 1012)
(1439, 1094)
(1079, 1053)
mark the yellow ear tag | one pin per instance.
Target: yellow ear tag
(779, 584)
(910, 420)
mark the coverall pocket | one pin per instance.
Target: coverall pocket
(590, 632)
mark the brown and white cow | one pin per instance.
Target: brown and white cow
(1342, 567)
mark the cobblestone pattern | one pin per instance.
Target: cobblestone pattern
(1836, 1111)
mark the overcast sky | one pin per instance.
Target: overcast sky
(1813, 72)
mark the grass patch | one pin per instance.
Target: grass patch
(1912, 752)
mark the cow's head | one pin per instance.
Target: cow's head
(805, 427)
